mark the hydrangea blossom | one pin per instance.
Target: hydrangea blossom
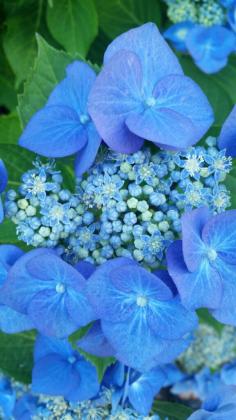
(59, 370)
(227, 137)
(140, 318)
(3, 184)
(63, 127)
(142, 93)
(202, 265)
(177, 34)
(11, 321)
(49, 291)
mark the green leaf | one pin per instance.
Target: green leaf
(17, 355)
(206, 318)
(7, 80)
(173, 411)
(49, 69)
(8, 233)
(10, 128)
(19, 40)
(73, 23)
(118, 16)
(215, 91)
(17, 161)
(100, 363)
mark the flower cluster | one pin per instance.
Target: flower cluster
(205, 29)
(123, 206)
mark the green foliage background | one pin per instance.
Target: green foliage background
(38, 39)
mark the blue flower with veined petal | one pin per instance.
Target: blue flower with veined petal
(142, 93)
(140, 317)
(227, 135)
(177, 34)
(35, 184)
(3, 184)
(63, 127)
(59, 370)
(49, 291)
(210, 46)
(202, 265)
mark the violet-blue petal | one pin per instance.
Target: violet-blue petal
(227, 138)
(193, 246)
(3, 176)
(78, 307)
(202, 288)
(165, 277)
(219, 234)
(114, 375)
(141, 396)
(94, 342)
(114, 95)
(48, 312)
(1, 210)
(86, 156)
(45, 346)
(74, 89)
(155, 55)
(88, 382)
(85, 268)
(20, 287)
(8, 255)
(53, 375)
(12, 322)
(179, 116)
(54, 131)
(170, 319)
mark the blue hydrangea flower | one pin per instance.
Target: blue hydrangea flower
(177, 34)
(50, 291)
(142, 93)
(140, 318)
(11, 321)
(35, 184)
(59, 370)
(227, 135)
(63, 127)
(3, 184)
(210, 47)
(220, 405)
(202, 265)
(133, 387)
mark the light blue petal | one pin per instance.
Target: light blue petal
(9, 254)
(54, 131)
(141, 396)
(192, 227)
(116, 93)
(86, 156)
(94, 342)
(219, 233)
(45, 346)
(12, 322)
(228, 374)
(202, 288)
(79, 308)
(226, 313)
(88, 386)
(73, 91)
(156, 57)
(227, 136)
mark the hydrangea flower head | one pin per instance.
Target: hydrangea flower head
(59, 370)
(142, 94)
(11, 321)
(210, 47)
(140, 317)
(50, 291)
(227, 138)
(3, 184)
(64, 127)
(202, 265)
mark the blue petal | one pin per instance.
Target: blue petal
(54, 131)
(156, 378)
(20, 287)
(202, 288)
(86, 156)
(9, 254)
(79, 308)
(165, 277)
(141, 396)
(177, 34)
(227, 136)
(45, 346)
(88, 386)
(226, 313)
(3, 176)
(13, 322)
(1, 211)
(211, 65)
(117, 92)
(193, 246)
(94, 342)
(52, 375)
(73, 91)
(115, 375)
(85, 268)
(48, 312)
(170, 319)
(156, 57)
(228, 374)
(219, 233)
